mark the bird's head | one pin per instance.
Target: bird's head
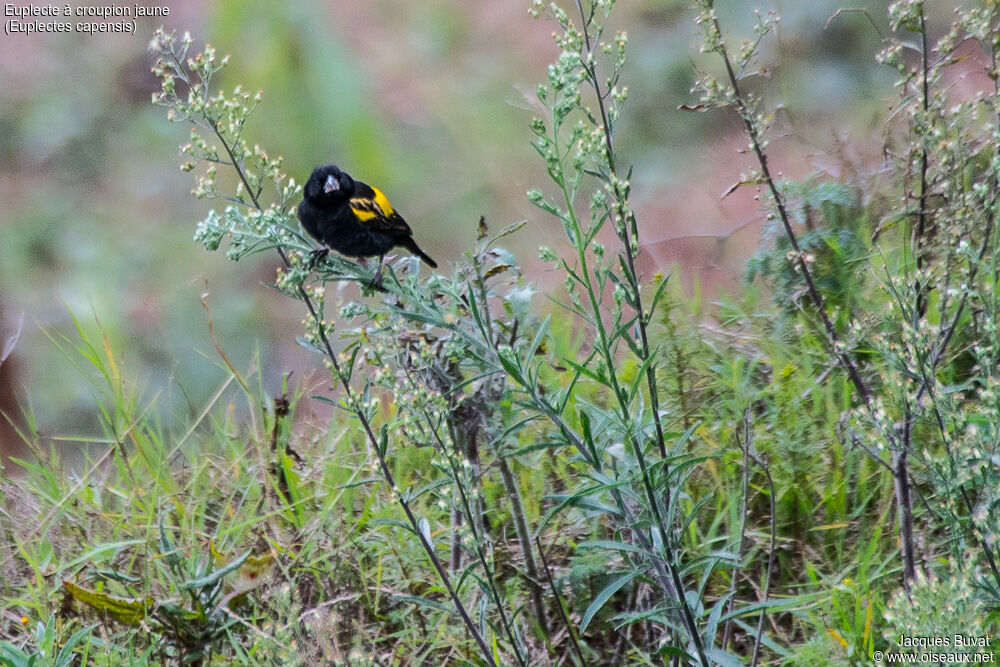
(329, 185)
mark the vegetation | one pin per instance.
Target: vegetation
(804, 474)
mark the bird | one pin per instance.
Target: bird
(353, 218)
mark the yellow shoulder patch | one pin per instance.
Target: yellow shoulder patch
(377, 207)
(363, 214)
(383, 202)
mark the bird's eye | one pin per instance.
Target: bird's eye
(331, 185)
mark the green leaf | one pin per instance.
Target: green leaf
(425, 530)
(99, 550)
(167, 549)
(675, 651)
(758, 606)
(722, 658)
(309, 345)
(583, 370)
(129, 612)
(543, 329)
(583, 501)
(509, 366)
(603, 597)
(621, 332)
(433, 486)
(66, 657)
(214, 576)
(118, 576)
(712, 626)
(657, 295)
(611, 545)
(774, 646)
(535, 447)
(423, 602)
(508, 230)
(393, 522)
(12, 656)
(417, 317)
(326, 399)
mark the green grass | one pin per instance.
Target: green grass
(619, 476)
(342, 579)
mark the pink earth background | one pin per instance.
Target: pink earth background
(431, 100)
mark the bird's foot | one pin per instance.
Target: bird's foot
(317, 256)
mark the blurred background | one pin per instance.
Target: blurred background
(430, 100)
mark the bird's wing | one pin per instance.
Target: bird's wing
(372, 208)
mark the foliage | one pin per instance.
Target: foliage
(618, 476)
(943, 605)
(832, 237)
(47, 650)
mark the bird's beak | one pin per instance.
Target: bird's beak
(331, 185)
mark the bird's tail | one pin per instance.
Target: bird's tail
(411, 245)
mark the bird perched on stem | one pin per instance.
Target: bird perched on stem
(353, 218)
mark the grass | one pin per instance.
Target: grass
(799, 475)
(341, 579)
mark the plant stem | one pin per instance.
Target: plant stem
(524, 537)
(667, 573)
(366, 425)
(770, 555)
(478, 540)
(745, 443)
(628, 235)
(641, 322)
(899, 468)
(559, 604)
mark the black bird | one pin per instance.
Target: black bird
(353, 218)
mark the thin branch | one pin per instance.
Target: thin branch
(842, 355)
(360, 415)
(477, 538)
(654, 400)
(559, 604)
(900, 472)
(770, 556)
(589, 68)
(919, 241)
(744, 445)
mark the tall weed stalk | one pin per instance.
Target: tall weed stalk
(924, 385)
